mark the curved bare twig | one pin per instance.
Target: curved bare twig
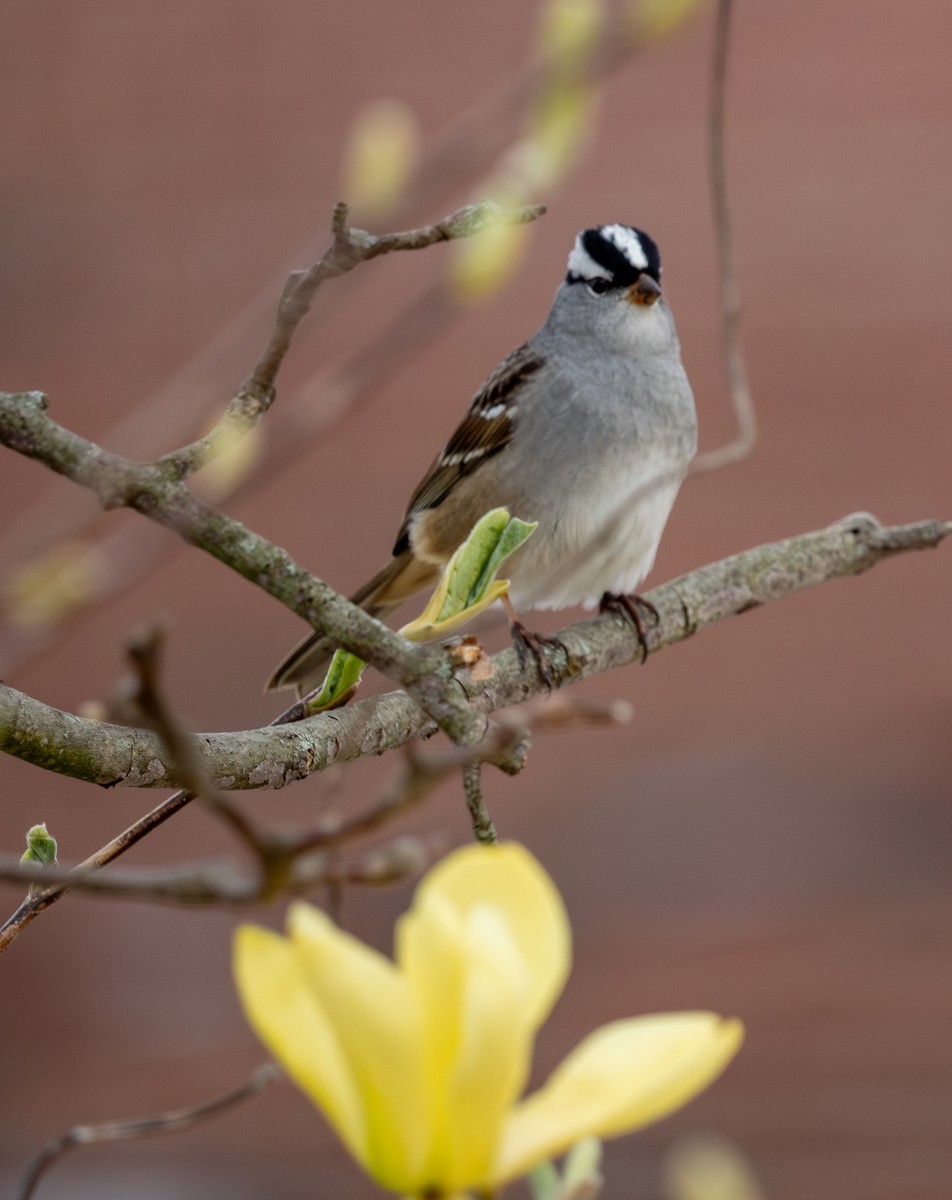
(741, 399)
(139, 1127)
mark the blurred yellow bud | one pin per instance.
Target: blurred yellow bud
(656, 18)
(708, 1168)
(558, 131)
(568, 29)
(237, 453)
(380, 156)
(49, 587)
(554, 132)
(483, 264)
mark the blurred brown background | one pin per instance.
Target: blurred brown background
(771, 836)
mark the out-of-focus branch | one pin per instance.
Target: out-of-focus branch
(220, 882)
(148, 700)
(739, 388)
(170, 1122)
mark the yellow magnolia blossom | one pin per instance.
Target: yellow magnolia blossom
(418, 1064)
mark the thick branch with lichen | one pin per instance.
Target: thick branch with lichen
(155, 490)
(278, 755)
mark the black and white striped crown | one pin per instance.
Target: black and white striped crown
(616, 253)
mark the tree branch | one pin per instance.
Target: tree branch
(138, 1127)
(741, 399)
(274, 756)
(348, 249)
(156, 491)
(291, 862)
(451, 165)
(220, 882)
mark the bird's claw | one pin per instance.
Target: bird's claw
(527, 642)
(630, 606)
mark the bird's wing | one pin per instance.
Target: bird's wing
(483, 432)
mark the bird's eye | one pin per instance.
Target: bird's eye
(598, 286)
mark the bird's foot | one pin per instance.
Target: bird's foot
(630, 607)
(527, 642)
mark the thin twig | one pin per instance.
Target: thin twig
(194, 884)
(139, 1127)
(741, 399)
(33, 905)
(483, 828)
(144, 651)
(422, 774)
(221, 883)
(349, 248)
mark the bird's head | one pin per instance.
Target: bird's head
(618, 262)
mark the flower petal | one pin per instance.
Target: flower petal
(376, 1019)
(623, 1076)
(495, 1048)
(472, 985)
(285, 1014)
(485, 948)
(507, 878)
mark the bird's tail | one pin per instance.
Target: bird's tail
(401, 578)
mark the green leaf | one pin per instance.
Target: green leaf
(468, 584)
(513, 534)
(544, 1181)
(582, 1163)
(342, 676)
(40, 847)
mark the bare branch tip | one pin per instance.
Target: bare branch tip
(339, 219)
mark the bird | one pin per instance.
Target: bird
(588, 427)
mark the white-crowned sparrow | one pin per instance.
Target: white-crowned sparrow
(587, 428)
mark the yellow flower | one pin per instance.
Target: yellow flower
(418, 1064)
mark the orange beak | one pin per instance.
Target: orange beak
(645, 291)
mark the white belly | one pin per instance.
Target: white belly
(598, 548)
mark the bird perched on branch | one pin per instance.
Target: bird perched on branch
(588, 428)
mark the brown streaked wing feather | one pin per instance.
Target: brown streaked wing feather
(477, 437)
